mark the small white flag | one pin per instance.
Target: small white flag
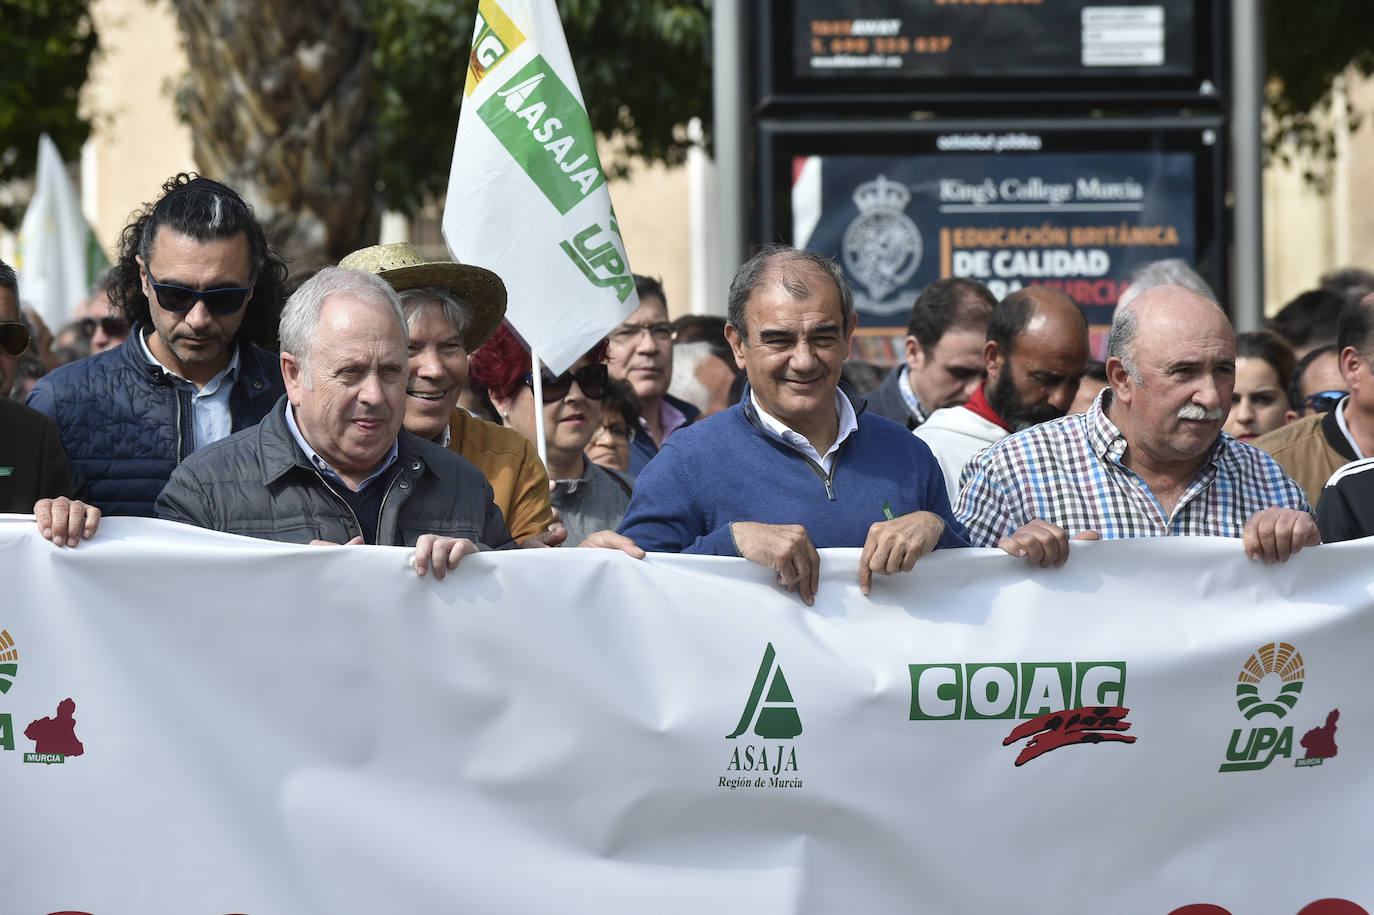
(526, 195)
(58, 255)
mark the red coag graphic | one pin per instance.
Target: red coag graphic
(1081, 725)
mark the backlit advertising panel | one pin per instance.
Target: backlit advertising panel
(1074, 205)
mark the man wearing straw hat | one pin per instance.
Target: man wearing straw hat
(451, 309)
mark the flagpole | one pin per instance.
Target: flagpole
(537, 379)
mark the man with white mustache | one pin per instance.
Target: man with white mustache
(1148, 459)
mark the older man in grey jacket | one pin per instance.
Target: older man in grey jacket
(331, 463)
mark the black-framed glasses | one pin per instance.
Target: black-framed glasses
(1323, 401)
(619, 431)
(112, 325)
(180, 299)
(14, 337)
(661, 331)
(590, 378)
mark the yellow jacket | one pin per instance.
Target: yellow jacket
(519, 482)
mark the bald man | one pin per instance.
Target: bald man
(1148, 459)
(1036, 351)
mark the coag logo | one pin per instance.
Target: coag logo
(1064, 702)
(771, 713)
(1269, 685)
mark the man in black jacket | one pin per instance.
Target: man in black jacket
(331, 462)
(203, 290)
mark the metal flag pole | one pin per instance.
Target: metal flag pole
(537, 383)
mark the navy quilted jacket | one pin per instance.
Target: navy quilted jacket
(125, 425)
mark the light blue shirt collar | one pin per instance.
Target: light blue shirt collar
(322, 465)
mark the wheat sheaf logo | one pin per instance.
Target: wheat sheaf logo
(1278, 658)
(9, 661)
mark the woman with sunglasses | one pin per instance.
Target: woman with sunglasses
(589, 497)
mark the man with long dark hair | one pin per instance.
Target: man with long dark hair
(203, 289)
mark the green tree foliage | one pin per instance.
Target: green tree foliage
(644, 67)
(45, 52)
(1308, 47)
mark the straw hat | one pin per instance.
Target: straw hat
(403, 267)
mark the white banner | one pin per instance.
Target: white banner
(197, 723)
(526, 195)
(58, 255)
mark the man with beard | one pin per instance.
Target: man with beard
(1148, 459)
(1036, 350)
(202, 288)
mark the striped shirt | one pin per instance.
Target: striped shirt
(1069, 472)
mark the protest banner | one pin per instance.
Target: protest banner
(194, 722)
(58, 255)
(527, 196)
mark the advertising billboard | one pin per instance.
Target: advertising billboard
(1077, 205)
(935, 49)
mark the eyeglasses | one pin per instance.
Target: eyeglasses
(619, 431)
(112, 325)
(181, 299)
(14, 337)
(661, 331)
(1323, 401)
(590, 378)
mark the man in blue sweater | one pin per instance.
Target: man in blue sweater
(793, 467)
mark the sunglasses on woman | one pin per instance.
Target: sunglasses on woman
(180, 299)
(14, 337)
(590, 378)
(112, 326)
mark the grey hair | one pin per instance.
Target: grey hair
(774, 261)
(1121, 340)
(1171, 271)
(1125, 326)
(300, 318)
(457, 312)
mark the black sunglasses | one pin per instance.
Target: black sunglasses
(1323, 401)
(590, 378)
(14, 337)
(112, 325)
(181, 299)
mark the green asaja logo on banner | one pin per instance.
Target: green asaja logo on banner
(545, 129)
(771, 713)
(778, 719)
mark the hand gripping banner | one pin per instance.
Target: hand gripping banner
(194, 722)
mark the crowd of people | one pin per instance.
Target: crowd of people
(385, 401)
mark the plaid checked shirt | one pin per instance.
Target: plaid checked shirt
(1069, 472)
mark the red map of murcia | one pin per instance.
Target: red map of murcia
(56, 734)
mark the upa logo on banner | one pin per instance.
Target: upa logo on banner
(1060, 703)
(770, 713)
(882, 247)
(1252, 748)
(9, 668)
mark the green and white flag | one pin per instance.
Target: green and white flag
(526, 195)
(58, 257)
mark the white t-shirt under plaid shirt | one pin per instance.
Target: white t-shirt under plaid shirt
(1069, 472)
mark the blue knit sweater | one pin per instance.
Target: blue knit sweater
(728, 468)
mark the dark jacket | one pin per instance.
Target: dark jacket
(32, 465)
(642, 449)
(887, 401)
(125, 425)
(260, 484)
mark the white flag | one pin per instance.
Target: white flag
(58, 257)
(526, 196)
